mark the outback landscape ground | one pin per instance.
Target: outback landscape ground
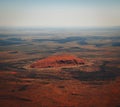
(60, 67)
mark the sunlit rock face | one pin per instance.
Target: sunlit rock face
(58, 61)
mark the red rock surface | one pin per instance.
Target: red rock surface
(57, 61)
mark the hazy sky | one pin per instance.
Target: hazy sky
(60, 13)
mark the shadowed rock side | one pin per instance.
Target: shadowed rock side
(58, 61)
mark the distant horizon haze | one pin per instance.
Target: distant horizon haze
(59, 13)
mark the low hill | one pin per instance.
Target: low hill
(58, 61)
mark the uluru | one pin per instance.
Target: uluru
(58, 61)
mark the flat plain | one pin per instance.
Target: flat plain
(93, 84)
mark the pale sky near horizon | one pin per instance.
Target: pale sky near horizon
(59, 13)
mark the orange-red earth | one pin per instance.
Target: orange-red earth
(58, 61)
